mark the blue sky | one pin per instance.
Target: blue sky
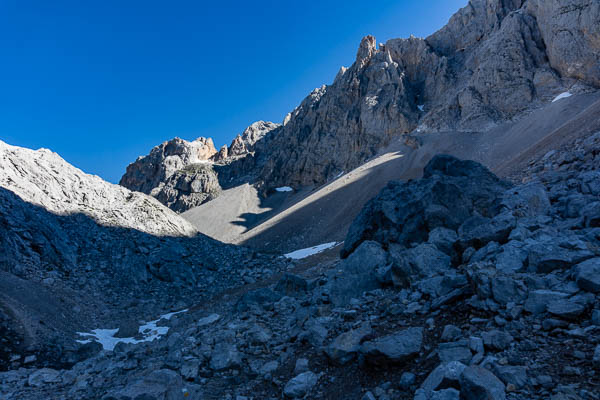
(102, 82)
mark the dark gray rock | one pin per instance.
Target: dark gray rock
(300, 385)
(477, 383)
(477, 231)
(565, 308)
(538, 300)
(358, 273)
(395, 348)
(455, 351)
(445, 375)
(443, 239)
(225, 356)
(450, 191)
(189, 187)
(587, 275)
(345, 347)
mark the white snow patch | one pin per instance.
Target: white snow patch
(562, 96)
(303, 253)
(338, 175)
(421, 107)
(106, 337)
(284, 189)
(371, 101)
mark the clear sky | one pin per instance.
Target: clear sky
(102, 82)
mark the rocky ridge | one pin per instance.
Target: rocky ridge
(89, 252)
(497, 301)
(43, 178)
(494, 61)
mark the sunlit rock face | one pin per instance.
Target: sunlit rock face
(43, 178)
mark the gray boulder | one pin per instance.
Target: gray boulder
(358, 273)
(394, 348)
(587, 275)
(527, 200)
(225, 356)
(445, 375)
(538, 300)
(477, 383)
(345, 347)
(565, 308)
(497, 340)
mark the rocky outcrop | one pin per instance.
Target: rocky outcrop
(189, 187)
(43, 178)
(148, 173)
(450, 192)
(244, 144)
(493, 61)
(571, 33)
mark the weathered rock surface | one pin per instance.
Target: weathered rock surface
(148, 172)
(43, 178)
(189, 187)
(450, 192)
(394, 348)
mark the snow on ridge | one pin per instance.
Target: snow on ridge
(284, 189)
(562, 96)
(303, 253)
(150, 331)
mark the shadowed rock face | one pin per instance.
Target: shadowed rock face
(450, 192)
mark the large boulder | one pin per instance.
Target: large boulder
(357, 274)
(450, 192)
(395, 348)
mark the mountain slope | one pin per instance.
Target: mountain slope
(43, 178)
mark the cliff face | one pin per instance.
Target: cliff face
(494, 60)
(148, 173)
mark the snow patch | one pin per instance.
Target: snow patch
(303, 253)
(371, 101)
(562, 96)
(284, 189)
(421, 107)
(150, 331)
